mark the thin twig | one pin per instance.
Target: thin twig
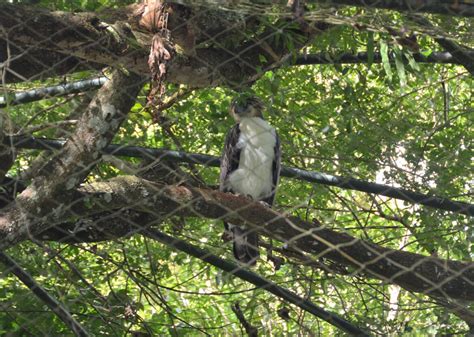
(255, 279)
(46, 126)
(249, 329)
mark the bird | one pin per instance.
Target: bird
(250, 166)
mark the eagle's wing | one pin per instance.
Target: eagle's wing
(276, 168)
(245, 241)
(230, 157)
(229, 163)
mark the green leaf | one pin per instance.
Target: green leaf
(427, 52)
(385, 59)
(411, 61)
(400, 67)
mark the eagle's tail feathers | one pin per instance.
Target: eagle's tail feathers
(245, 245)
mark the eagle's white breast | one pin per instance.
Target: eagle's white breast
(254, 175)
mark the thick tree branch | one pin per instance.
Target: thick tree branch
(101, 226)
(23, 68)
(347, 58)
(63, 38)
(461, 55)
(117, 37)
(414, 272)
(309, 59)
(446, 7)
(310, 176)
(33, 64)
(7, 156)
(75, 34)
(105, 40)
(69, 167)
(55, 306)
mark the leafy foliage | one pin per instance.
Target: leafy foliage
(386, 122)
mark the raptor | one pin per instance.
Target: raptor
(250, 166)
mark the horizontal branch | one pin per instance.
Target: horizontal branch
(255, 279)
(292, 172)
(125, 41)
(52, 91)
(321, 58)
(309, 59)
(27, 63)
(414, 272)
(445, 7)
(362, 57)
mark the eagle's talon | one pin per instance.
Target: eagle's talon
(248, 196)
(227, 236)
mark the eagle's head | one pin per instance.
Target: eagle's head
(246, 106)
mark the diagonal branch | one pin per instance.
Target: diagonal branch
(249, 329)
(461, 55)
(47, 194)
(55, 306)
(255, 279)
(292, 172)
(426, 274)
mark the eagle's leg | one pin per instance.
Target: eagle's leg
(228, 234)
(245, 245)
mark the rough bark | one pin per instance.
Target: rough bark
(414, 272)
(63, 37)
(103, 226)
(33, 209)
(39, 64)
(7, 156)
(363, 58)
(445, 7)
(213, 47)
(286, 171)
(202, 59)
(116, 37)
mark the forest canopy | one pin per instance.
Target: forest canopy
(113, 116)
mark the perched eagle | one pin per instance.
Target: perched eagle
(250, 166)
